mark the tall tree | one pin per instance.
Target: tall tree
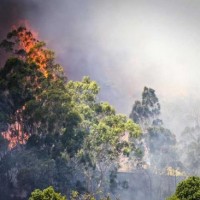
(25, 79)
(147, 111)
(103, 129)
(34, 111)
(62, 135)
(190, 141)
(158, 142)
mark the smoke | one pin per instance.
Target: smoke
(124, 45)
(11, 12)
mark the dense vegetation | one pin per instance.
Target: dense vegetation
(188, 189)
(53, 131)
(56, 134)
(158, 141)
(49, 194)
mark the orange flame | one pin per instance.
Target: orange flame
(15, 134)
(36, 53)
(14, 139)
(28, 41)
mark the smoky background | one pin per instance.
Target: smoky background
(124, 46)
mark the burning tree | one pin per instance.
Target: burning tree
(59, 133)
(34, 108)
(23, 43)
(24, 79)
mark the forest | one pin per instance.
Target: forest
(59, 141)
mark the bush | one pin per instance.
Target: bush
(188, 189)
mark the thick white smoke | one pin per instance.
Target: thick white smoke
(124, 45)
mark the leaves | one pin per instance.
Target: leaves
(148, 110)
(71, 136)
(46, 194)
(188, 189)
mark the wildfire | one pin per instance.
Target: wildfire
(27, 39)
(29, 48)
(15, 135)
(28, 44)
(34, 49)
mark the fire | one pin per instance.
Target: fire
(31, 50)
(40, 58)
(15, 135)
(26, 46)
(35, 50)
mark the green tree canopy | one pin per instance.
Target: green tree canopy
(188, 189)
(146, 111)
(158, 142)
(72, 139)
(50, 194)
(103, 130)
(46, 194)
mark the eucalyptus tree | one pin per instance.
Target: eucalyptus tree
(102, 145)
(63, 134)
(147, 111)
(158, 142)
(34, 110)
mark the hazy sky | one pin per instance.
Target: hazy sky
(124, 45)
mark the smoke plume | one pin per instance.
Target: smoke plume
(124, 45)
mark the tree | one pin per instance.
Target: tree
(86, 196)
(34, 112)
(191, 143)
(161, 145)
(50, 194)
(26, 77)
(188, 189)
(146, 112)
(158, 143)
(46, 194)
(103, 130)
(61, 135)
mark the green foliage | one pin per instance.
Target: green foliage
(76, 196)
(173, 197)
(41, 106)
(25, 80)
(188, 189)
(46, 194)
(86, 196)
(19, 83)
(73, 139)
(103, 129)
(148, 110)
(50, 194)
(158, 142)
